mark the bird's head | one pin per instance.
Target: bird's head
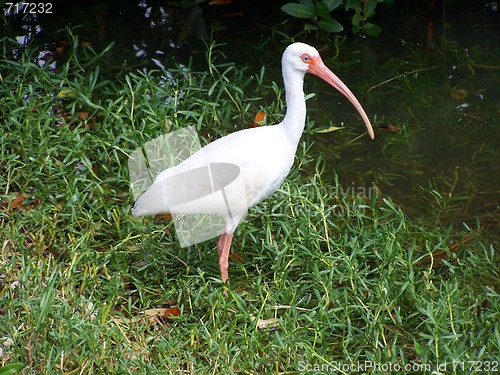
(301, 57)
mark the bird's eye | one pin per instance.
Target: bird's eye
(305, 58)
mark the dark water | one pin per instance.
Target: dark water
(436, 99)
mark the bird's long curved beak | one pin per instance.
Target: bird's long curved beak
(318, 68)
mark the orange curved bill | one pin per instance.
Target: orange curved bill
(319, 69)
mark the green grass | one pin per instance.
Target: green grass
(335, 279)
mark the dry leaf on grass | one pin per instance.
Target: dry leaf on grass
(271, 323)
(5, 342)
(259, 120)
(155, 316)
(20, 201)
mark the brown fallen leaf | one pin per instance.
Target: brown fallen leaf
(20, 202)
(166, 217)
(235, 257)
(260, 119)
(438, 256)
(155, 315)
(171, 312)
(392, 128)
(17, 202)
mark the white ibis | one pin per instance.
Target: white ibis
(262, 156)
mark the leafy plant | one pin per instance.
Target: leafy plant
(316, 11)
(364, 9)
(319, 13)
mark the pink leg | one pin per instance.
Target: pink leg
(223, 247)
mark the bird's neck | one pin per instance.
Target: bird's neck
(295, 116)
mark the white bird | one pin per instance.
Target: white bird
(261, 157)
